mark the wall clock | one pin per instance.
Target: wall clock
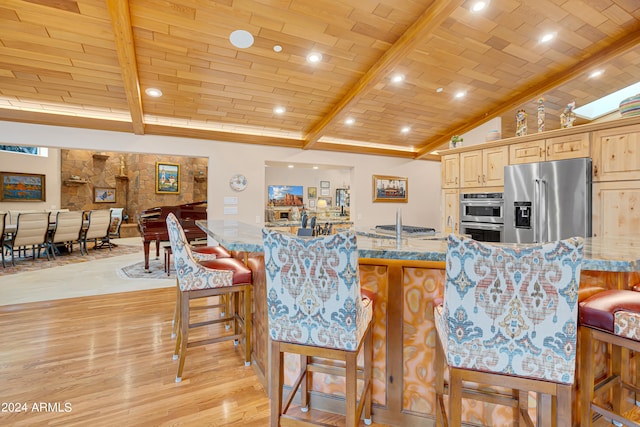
(238, 182)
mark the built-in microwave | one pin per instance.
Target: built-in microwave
(482, 207)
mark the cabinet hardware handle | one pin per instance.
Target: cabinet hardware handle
(541, 151)
(484, 178)
(478, 179)
(595, 170)
(456, 179)
(548, 151)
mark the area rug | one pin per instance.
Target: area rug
(24, 264)
(136, 271)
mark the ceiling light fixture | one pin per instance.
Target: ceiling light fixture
(152, 91)
(350, 121)
(405, 129)
(277, 48)
(291, 166)
(439, 90)
(460, 94)
(315, 167)
(547, 37)
(241, 39)
(478, 6)
(314, 57)
(397, 78)
(279, 110)
(596, 73)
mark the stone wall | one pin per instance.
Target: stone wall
(133, 178)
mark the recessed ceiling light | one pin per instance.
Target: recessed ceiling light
(405, 129)
(596, 73)
(291, 166)
(460, 94)
(277, 48)
(152, 91)
(478, 6)
(397, 78)
(241, 39)
(279, 110)
(439, 90)
(547, 37)
(314, 57)
(315, 167)
(350, 121)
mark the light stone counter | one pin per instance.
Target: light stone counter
(615, 254)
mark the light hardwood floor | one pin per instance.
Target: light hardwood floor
(109, 359)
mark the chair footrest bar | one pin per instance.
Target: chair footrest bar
(613, 416)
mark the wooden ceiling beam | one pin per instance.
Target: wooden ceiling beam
(121, 22)
(624, 44)
(424, 26)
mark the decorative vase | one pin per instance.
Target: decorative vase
(521, 123)
(541, 116)
(630, 107)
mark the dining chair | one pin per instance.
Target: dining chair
(67, 230)
(99, 222)
(31, 230)
(117, 215)
(316, 310)
(197, 280)
(508, 320)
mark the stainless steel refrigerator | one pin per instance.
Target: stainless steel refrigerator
(547, 201)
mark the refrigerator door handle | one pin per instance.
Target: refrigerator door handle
(536, 211)
(544, 232)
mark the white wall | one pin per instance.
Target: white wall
(27, 163)
(479, 135)
(227, 159)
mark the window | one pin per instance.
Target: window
(21, 149)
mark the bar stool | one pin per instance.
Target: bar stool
(220, 277)
(509, 320)
(611, 317)
(317, 311)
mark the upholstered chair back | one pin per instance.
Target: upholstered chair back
(31, 229)
(117, 215)
(99, 221)
(512, 310)
(191, 275)
(3, 222)
(68, 227)
(313, 290)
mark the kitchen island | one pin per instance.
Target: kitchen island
(406, 277)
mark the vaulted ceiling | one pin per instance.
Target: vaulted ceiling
(87, 63)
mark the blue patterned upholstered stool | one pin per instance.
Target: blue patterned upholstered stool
(508, 320)
(316, 310)
(611, 317)
(219, 277)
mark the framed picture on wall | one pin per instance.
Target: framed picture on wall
(167, 178)
(22, 187)
(325, 184)
(390, 189)
(104, 195)
(312, 192)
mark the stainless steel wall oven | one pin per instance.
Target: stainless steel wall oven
(482, 216)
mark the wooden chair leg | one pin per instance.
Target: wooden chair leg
(439, 385)
(616, 372)
(351, 389)
(563, 405)
(586, 376)
(368, 374)
(276, 374)
(183, 337)
(176, 312)
(455, 398)
(304, 387)
(247, 325)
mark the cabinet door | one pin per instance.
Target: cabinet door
(471, 169)
(616, 208)
(616, 154)
(450, 164)
(494, 161)
(527, 152)
(568, 147)
(450, 209)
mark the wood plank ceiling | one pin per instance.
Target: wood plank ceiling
(87, 63)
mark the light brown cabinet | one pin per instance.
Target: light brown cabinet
(559, 148)
(616, 154)
(450, 209)
(483, 168)
(616, 208)
(450, 165)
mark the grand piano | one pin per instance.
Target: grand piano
(153, 226)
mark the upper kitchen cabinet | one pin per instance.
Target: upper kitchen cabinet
(559, 148)
(483, 168)
(450, 171)
(616, 154)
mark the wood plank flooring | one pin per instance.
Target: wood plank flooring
(107, 361)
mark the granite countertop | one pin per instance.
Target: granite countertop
(619, 254)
